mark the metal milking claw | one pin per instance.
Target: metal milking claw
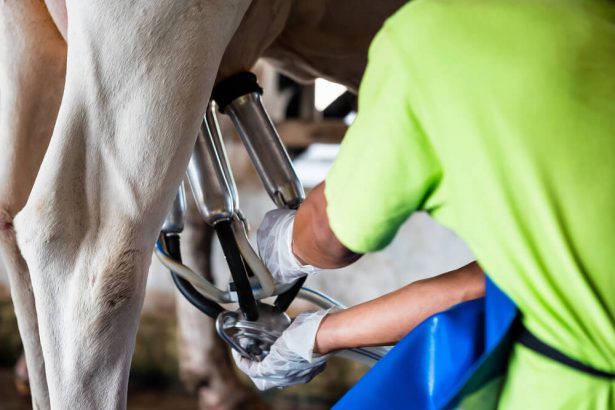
(252, 329)
(252, 339)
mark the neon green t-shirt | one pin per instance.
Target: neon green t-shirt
(498, 118)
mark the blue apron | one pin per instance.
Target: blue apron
(454, 359)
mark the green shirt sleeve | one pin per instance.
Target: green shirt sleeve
(386, 166)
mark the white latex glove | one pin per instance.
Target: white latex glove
(291, 359)
(274, 239)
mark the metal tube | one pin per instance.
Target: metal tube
(211, 119)
(266, 150)
(212, 194)
(176, 218)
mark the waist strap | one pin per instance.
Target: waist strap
(530, 341)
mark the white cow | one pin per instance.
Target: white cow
(94, 139)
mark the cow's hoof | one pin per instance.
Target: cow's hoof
(22, 382)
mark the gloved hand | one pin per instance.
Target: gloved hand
(291, 359)
(274, 239)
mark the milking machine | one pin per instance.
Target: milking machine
(255, 325)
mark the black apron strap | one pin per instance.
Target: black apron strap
(530, 341)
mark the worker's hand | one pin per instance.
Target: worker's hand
(274, 238)
(291, 359)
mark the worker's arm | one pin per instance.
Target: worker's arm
(301, 352)
(313, 241)
(293, 244)
(385, 320)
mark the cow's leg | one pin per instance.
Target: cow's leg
(204, 361)
(32, 66)
(138, 78)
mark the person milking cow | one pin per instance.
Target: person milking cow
(497, 118)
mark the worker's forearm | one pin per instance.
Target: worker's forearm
(314, 243)
(387, 319)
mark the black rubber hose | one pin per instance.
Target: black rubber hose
(283, 301)
(245, 297)
(209, 307)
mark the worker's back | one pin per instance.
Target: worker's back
(518, 99)
(512, 102)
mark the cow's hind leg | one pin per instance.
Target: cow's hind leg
(32, 66)
(138, 79)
